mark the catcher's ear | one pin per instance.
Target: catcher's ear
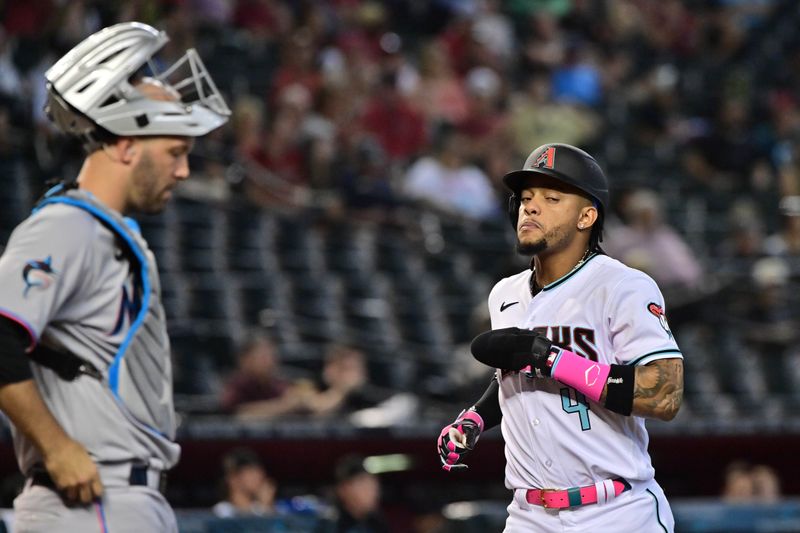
(131, 147)
(122, 150)
(127, 148)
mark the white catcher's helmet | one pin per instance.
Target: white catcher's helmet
(90, 87)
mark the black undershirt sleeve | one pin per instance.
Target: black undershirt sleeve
(489, 405)
(619, 389)
(14, 364)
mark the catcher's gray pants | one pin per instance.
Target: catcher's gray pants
(126, 509)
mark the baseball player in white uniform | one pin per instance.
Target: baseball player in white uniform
(583, 354)
(85, 374)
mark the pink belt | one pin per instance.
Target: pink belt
(574, 496)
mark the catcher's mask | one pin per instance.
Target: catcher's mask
(569, 165)
(92, 93)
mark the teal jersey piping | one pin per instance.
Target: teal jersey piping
(568, 275)
(657, 352)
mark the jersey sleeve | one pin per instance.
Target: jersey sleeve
(43, 265)
(638, 324)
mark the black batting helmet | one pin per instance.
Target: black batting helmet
(567, 164)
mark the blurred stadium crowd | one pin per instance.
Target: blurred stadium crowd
(332, 254)
(355, 203)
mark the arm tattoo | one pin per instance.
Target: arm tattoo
(658, 389)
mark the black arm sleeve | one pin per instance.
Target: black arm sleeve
(489, 405)
(14, 364)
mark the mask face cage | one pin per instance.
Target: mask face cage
(191, 81)
(192, 107)
(93, 89)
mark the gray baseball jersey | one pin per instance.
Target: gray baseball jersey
(555, 436)
(66, 280)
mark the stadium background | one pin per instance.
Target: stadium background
(324, 213)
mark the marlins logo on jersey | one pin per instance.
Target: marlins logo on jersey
(129, 306)
(38, 273)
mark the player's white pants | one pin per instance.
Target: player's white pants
(134, 509)
(643, 509)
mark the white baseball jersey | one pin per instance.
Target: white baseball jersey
(554, 436)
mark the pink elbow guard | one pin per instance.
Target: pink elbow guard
(584, 375)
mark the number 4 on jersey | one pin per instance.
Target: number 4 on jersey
(576, 404)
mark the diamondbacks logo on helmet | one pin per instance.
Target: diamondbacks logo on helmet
(658, 312)
(546, 159)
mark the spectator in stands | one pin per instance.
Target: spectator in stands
(27, 19)
(248, 490)
(262, 18)
(577, 79)
(395, 58)
(772, 317)
(786, 242)
(10, 78)
(321, 129)
(535, 118)
(745, 239)
(256, 390)
(430, 521)
(394, 122)
(457, 37)
(446, 181)
(486, 124)
(545, 43)
(748, 484)
(297, 66)
(260, 184)
(282, 151)
(275, 157)
(648, 243)
(356, 508)
(440, 92)
(366, 185)
(738, 484)
(656, 124)
(720, 162)
(248, 127)
(766, 484)
(494, 31)
(784, 127)
(12, 163)
(344, 386)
